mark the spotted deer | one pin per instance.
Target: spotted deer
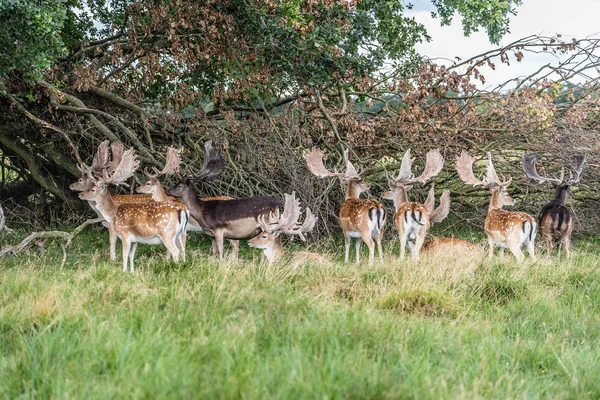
(149, 223)
(361, 219)
(503, 228)
(412, 219)
(101, 162)
(555, 219)
(154, 187)
(222, 219)
(451, 247)
(269, 240)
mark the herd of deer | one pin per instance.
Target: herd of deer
(157, 216)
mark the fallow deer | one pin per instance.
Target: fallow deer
(222, 219)
(154, 187)
(412, 219)
(555, 220)
(102, 161)
(361, 219)
(503, 228)
(451, 247)
(287, 222)
(149, 223)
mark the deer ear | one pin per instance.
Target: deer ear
(276, 234)
(407, 187)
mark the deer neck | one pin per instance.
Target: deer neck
(190, 199)
(561, 194)
(273, 251)
(352, 191)
(495, 201)
(400, 197)
(107, 207)
(158, 194)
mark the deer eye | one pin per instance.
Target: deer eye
(264, 236)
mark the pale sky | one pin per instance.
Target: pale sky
(574, 18)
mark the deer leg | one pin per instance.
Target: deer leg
(416, 249)
(126, 247)
(172, 247)
(567, 244)
(180, 242)
(531, 248)
(516, 250)
(501, 252)
(219, 243)
(357, 244)
(403, 239)
(112, 239)
(132, 255)
(491, 248)
(379, 237)
(548, 240)
(347, 244)
(213, 247)
(235, 248)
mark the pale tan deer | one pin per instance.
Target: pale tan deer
(412, 219)
(149, 223)
(555, 219)
(269, 240)
(101, 162)
(451, 247)
(503, 228)
(154, 187)
(361, 219)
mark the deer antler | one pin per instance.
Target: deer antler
(529, 161)
(580, 161)
(117, 150)
(464, 167)
(434, 162)
(212, 167)
(440, 213)
(314, 163)
(172, 163)
(287, 222)
(126, 168)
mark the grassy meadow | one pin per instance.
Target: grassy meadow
(433, 329)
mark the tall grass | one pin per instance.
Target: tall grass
(433, 329)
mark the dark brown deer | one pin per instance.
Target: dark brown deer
(149, 223)
(361, 219)
(412, 219)
(555, 219)
(154, 187)
(222, 219)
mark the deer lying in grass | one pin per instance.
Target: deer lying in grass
(503, 228)
(154, 187)
(269, 240)
(222, 219)
(101, 163)
(555, 220)
(413, 220)
(361, 219)
(451, 247)
(149, 223)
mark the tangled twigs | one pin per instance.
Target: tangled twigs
(34, 237)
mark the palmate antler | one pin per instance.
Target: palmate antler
(213, 165)
(529, 167)
(172, 163)
(122, 172)
(99, 162)
(287, 222)
(464, 167)
(314, 162)
(434, 162)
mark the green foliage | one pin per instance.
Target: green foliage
(410, 330)
(30, 38)
(490, 15)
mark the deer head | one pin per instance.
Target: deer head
(172, 163)
(213, 165)
(286, 223)
(118, 176)
(500, 197)
(399, 186)
(356, 184)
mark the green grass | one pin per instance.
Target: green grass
(432, 329)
